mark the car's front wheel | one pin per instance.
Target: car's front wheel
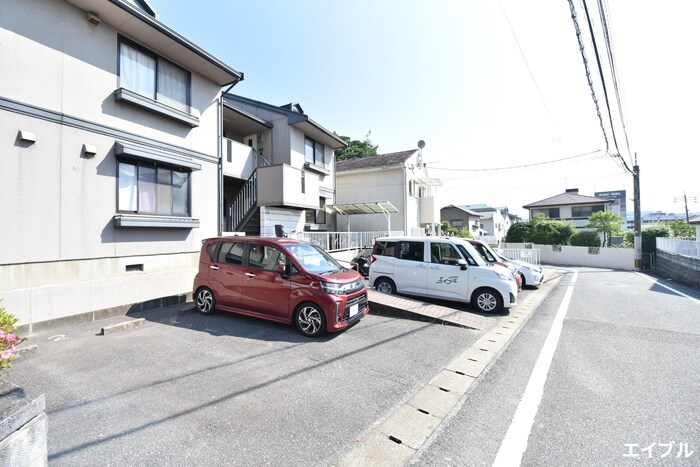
(310, 321)
(384, 285)
(488, 301)
(205, 301)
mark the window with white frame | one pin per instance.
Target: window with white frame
(151, 188)
(152, 76)
(313, 152)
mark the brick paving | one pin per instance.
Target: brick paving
(457, 315)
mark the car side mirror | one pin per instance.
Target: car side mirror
(462, 264)
(281, 269)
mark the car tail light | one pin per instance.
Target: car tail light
(372, 259)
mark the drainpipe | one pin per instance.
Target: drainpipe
(405, 202)
(220, 156)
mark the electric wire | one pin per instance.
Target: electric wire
(605, 87)
(588, 73)
(613, 70)
(527, 65)
(534, 164)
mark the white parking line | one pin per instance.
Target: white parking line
(514, 444)
(655, 281)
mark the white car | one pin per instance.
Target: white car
(530, 274)
(443, 268)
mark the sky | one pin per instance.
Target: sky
(496, 89)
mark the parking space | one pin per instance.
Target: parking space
(190, 389)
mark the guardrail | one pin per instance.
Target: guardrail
(690, 248)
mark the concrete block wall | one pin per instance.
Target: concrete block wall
(679, 268)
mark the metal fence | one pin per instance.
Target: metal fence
(530, 255)
(336, 241)
(690, 248)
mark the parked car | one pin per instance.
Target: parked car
(530, 274)
(279, 279)
(492, 257)
(446, 268)
(360, 263)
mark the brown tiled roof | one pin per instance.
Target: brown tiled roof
(567, 199)
(380, 160)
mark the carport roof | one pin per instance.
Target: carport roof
(374, 207)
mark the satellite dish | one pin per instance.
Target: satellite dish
(421, 144)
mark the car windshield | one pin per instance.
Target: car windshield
(314, 259)
(472, 256)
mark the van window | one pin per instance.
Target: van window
(444, 253)
(472, 260)
(266, 257)
(412, 251)
(384, 248)
(231, 253)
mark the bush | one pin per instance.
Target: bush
(8, 341)
(518, 233)
(585, 238)
(649, 235)
(550, 232)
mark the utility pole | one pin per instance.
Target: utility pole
(693, 199)
(637, 217)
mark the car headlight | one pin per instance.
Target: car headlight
(341, 289)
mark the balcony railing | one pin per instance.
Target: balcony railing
(690, 248)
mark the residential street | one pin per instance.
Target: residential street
(187, 389)
(621, 389)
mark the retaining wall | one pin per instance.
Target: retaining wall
(680, 268)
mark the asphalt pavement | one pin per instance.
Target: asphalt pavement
(186, 389)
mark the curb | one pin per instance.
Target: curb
(399, 437)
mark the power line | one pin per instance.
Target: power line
(613, 70)
(534, 164)
(527, 65)
(588, 74)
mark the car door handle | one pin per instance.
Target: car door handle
(250, 274)
(215, 268)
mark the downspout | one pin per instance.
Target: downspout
(405, 202)
(220, 157)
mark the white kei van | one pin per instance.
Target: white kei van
(448, 268)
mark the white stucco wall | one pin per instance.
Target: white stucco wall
(60, 253)
(371, 186)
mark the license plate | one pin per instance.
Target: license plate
(353, 310)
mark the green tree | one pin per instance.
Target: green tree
(680, 229)
(606, 222)
(464, 233)
(585, 238)
(518, 233)
(356, 148)
(447, 228)
(545, 231)
(649, 235)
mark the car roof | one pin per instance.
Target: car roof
(256, 239)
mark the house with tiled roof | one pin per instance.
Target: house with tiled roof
(569, 206)
(399, 178)
(495, 220)
(461, 217)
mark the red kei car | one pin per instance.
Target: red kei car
(279, 279)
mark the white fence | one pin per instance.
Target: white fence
(690, 248)
(336, 241)
(567, 255)
(529, 255)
